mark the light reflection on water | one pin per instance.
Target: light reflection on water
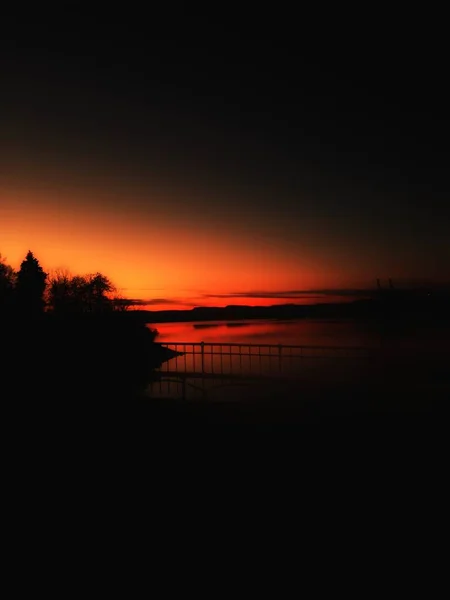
(304, 332)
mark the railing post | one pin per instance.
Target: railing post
(202, 346)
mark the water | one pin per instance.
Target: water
(302, 332)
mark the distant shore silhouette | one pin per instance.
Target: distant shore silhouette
(391, 305)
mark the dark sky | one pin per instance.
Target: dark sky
(259, 116)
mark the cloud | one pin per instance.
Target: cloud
(158, 301)
(154, 301)
(290, 294)
(151, 302)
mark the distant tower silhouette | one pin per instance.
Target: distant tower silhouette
(391, 285)
(378, 284)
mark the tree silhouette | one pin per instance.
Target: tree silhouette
(80, 294)
(60, 291)
(30, 285)
(98, 288)
(121, 304)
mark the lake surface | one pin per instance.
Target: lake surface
(301, 332)
(307, 332)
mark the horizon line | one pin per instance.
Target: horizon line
(278, 295)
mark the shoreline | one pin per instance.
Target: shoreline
(406, 310)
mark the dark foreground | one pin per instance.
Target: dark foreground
(324, 406)
(133, 437)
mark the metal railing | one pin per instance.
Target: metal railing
(200, 358)
(202, 368)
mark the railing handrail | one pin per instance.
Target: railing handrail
(247, 345)
(236, 361)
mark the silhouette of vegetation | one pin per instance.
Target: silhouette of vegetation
(30, 286)
(70, 336)
(121, 304)
(80, 294)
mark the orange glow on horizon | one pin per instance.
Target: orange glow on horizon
(148, 258)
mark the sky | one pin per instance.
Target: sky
(200, 160)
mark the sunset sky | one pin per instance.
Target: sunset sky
(220, 169)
